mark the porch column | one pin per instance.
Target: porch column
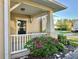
(50, 25)
(6, 30)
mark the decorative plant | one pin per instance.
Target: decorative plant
(74, 44)
(60, 47)
(63, 39)
(43, 47)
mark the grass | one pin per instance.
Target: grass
(73, 39)
(74, 44)
(66, 32)
(63, 32)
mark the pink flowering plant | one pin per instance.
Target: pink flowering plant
(42, 46)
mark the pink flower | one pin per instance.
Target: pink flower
(38, 44)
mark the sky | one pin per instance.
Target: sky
(70, 12)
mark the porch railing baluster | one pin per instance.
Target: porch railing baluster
(18, 41)
(14, 42)
(22, 41)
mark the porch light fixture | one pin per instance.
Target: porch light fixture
(22, 9)
(30, 20)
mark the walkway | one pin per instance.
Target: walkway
(73, 55)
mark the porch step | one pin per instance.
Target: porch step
(20, 54)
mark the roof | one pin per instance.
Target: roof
(56, 6)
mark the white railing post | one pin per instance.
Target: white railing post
(14, 42)
(17, 42)
(11, 42)
(27, 37)
(20, 42)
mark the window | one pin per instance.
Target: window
(21, 24)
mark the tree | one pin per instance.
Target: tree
(64, 25)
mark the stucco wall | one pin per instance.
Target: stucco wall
(31, 26)
(1, 30)
(34, 26)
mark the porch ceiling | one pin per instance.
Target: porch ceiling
(29, 10)
(51, 4)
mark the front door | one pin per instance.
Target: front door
(21, 26)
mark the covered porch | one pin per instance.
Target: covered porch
(31, 13)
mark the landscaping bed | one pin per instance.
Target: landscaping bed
(49, 48)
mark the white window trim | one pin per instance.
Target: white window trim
(26, 24)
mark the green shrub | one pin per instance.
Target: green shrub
(41, 46)
(62, 39)
(61, 36)
(73, 39)
(60, 47)
(74, 44)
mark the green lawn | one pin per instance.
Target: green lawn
(73, 39)
(64, 32)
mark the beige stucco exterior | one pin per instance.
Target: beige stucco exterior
(1, 31)
(33, 26)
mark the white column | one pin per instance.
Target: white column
(50, 25)
(6, 30)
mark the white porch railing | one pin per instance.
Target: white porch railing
(18, 41)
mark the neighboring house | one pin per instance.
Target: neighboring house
(75, 25)
(26, 21)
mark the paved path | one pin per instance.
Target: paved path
(73, 55)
